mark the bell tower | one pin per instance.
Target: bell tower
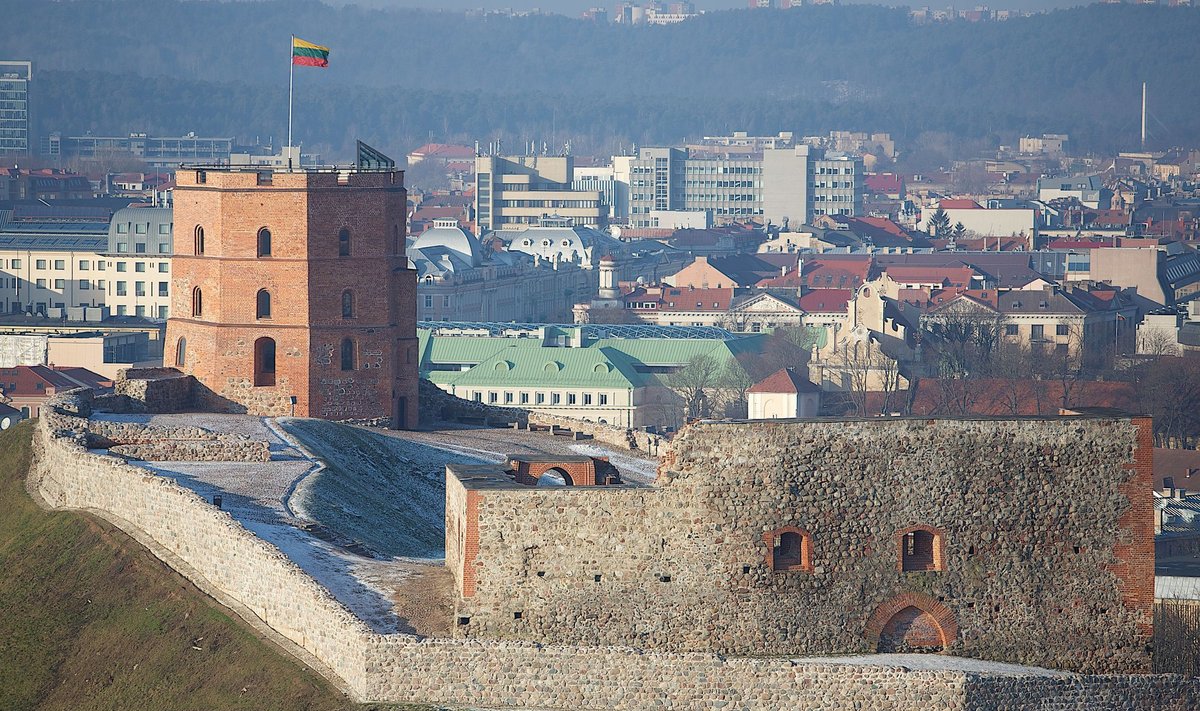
(292, 293)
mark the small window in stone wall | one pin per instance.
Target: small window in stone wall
(920, 550)
(789, 549)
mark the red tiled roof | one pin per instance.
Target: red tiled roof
(38, 380)
(959, 204)
(444, 150)
(826, 301)
(784, 381)
(885, 183)
(670, 298)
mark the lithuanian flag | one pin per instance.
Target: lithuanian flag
(309, 54)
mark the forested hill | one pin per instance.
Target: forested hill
(398, 76)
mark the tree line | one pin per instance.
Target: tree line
(400, 76)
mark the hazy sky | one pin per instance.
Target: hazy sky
(574, 7)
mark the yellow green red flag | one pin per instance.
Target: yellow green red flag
(309, 54)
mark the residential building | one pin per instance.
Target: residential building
(140, 245)
(1049, 144)
(53, 258)
(155, 151)
(735, 271)
(28, 387)
(982, 222)
(517, 192)
(784, 394)
(784, 186)
(98, 351)
(18, 131)
(1088, 190)
(48, 185)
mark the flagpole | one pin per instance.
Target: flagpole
(291, 76)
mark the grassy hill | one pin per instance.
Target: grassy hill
(91, 620)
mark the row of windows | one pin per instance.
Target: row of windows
(86, 265)
(87, 285)
(141, 228)
(493, 398)
(39, 307)
(263, 241)
(262, 301)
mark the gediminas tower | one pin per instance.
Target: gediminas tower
(292, 293)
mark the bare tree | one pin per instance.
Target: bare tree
(865, 368)
(1157, 342)
(696, 384)
(1169, 390)
(733, 383)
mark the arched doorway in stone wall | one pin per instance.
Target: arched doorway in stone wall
(912, 622)
(555, 477)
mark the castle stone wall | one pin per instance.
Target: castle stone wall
(1045, 532)
(216, 552)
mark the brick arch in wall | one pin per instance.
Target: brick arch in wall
(911, 620)
(575, 473)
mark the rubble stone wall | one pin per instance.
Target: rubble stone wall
(1045, 543)
(156, 389)
(212, 549)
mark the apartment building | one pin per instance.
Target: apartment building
(57, 258)
(18, 136)
(140, 243)
(516, 192)
(155, 151)
(784, 185)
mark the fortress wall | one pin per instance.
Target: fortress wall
(219, 554)
(217, 548)
(1047, 559)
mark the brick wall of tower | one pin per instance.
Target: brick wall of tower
(306, 277)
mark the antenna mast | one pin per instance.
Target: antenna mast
(1143, 116)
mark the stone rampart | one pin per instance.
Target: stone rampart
(215, 551)
(227, 556)
(1041, 546)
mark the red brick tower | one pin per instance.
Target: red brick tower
(292, 293)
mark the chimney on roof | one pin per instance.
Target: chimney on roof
(1180, 494)
(1168, 490)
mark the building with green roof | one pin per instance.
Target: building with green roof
(612, 374)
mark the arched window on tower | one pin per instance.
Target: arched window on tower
(199, 246)
(347, 354)
(347, 304)
(264, 242)
(262, 306)
(264, 362)
(197, 302)
(344, 243)
(181, 352)
(395, 239)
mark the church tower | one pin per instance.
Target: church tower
(292, 293)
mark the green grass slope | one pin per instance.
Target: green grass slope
(89, 619)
